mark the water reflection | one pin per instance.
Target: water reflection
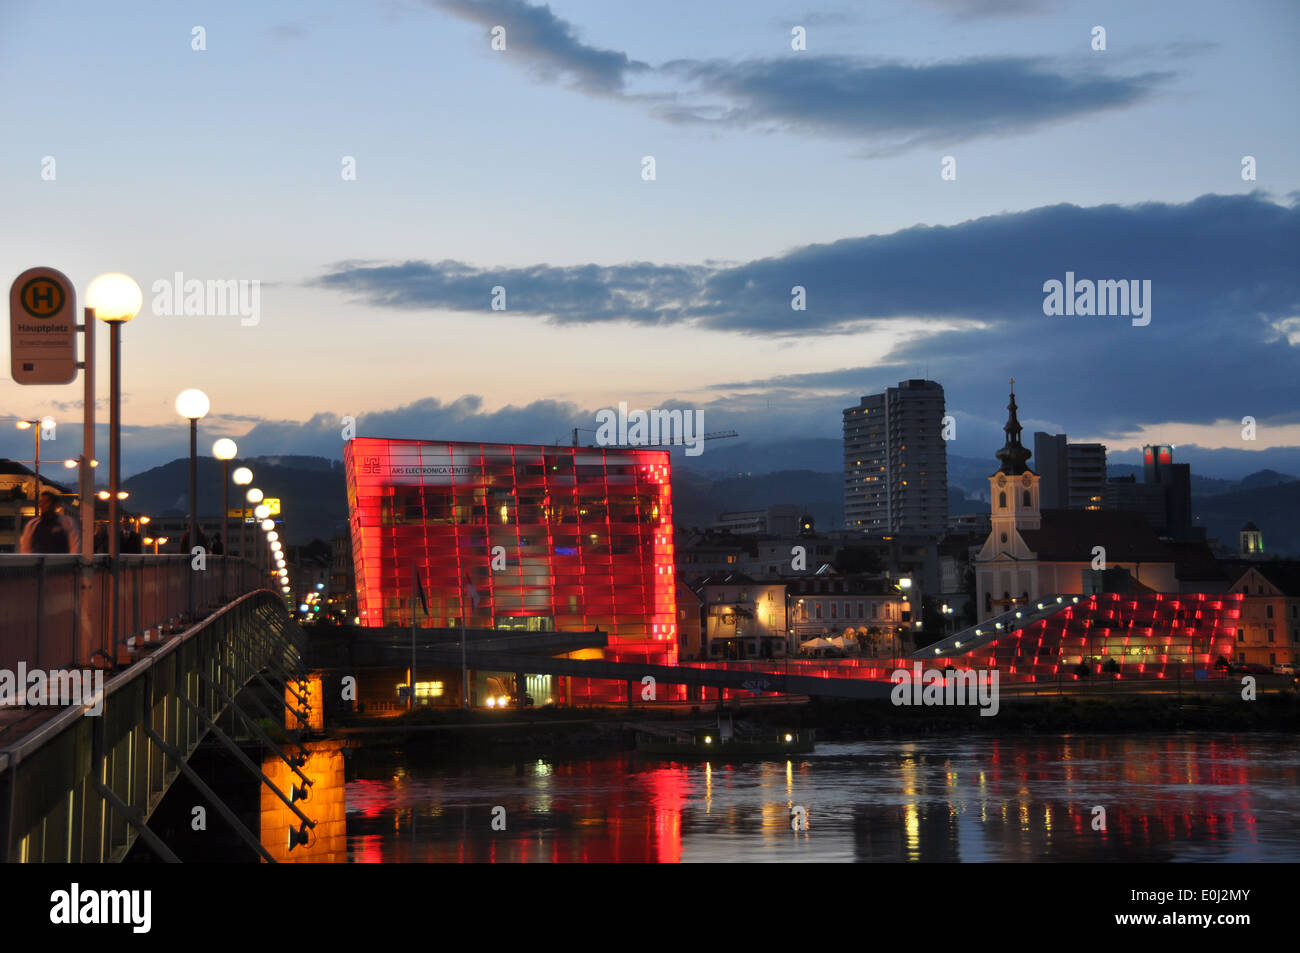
(1169, 797)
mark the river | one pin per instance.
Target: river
(1170, 797)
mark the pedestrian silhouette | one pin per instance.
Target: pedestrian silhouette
(50, 531)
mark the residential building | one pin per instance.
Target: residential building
(896, 461)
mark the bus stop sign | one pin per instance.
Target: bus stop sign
(42, 328)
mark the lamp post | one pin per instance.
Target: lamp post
(242, 477)
(254, 497)
(225, 450)
(40, 425)
(116, 299)
(193, 405)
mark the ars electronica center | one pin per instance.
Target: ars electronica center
(516, 537)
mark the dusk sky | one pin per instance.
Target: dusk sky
(523, 168)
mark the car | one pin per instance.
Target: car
(1284, 668)
(1249, 668)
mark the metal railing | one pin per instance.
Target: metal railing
(81, 787)
(43, 600)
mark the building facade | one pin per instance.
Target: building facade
(1268, 632)
(1073, 475)
(505, 536)
(896, 461)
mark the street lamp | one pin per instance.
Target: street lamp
(242, 477)
(116, 299)
(193, 405)
(40, 426)
(225, 450)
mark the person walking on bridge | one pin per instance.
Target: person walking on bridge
(50, 531)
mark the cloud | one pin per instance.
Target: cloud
(893, 106)
(547, 44)
(897, 106)
(972, 9)
(1225, 292)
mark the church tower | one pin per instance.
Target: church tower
(1007, 566)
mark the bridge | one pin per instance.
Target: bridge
(79, 781)
(535, 654)
(999, 626)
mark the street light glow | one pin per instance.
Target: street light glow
(254, 496)
(114, 297)
(225, 449)
(243, 476)
(193, 404)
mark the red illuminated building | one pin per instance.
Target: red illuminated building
(545, 538)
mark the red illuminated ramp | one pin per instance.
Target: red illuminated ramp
(975, 636)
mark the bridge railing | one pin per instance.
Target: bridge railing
(43, 600)
(79, 787)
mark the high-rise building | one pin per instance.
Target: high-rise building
(896, 461)
(1164, 496)
(1086, 468)
(1073, 474)
(1176, 478)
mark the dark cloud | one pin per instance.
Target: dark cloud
(892, 106)
(1223, 280)
(897, 106)
(542, 41)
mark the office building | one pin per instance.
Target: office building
(1073, 474)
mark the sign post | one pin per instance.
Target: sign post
(42, 328)
(43, 350)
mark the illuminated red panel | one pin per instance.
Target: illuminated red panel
(585, 533)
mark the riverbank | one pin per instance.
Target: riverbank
(563, 731)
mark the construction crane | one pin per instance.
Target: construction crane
(715, 435)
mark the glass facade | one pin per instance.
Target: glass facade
(1152, 635)
(566, 539)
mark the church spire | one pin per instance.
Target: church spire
(1013, 454)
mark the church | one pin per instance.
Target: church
(1031, 553)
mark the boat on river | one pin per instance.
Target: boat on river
(723, 741)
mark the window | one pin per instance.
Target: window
(1002, 500)
(1241, 635)
(1028, 503)
(818, 611)
(1269, 634)
(835, 610)
(1268, 611)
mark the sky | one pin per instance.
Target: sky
(378, 169)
